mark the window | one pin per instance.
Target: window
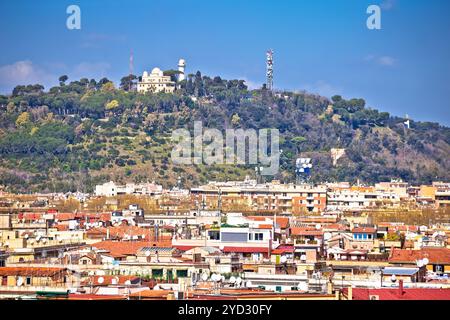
(250, 236)
(28, 281)
(258, 236)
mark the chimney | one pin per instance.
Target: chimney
(330, 287)
(400, 288)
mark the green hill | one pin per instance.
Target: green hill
(87, 132)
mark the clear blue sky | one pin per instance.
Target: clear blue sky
(322, 46)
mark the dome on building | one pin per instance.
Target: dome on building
(145, 74)
(157, 71)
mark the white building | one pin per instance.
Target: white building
(156, 81)
(110, 189)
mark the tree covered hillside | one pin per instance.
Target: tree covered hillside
(85, 132)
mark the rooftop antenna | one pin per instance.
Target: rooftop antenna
(269, 69)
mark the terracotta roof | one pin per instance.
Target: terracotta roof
(305, 231)
(30, 271)
(152, 294)
(257, 218)
(364, 230)
(265, 226)
(123, 248)
(282, 222)
(335, 226)
(283, 249)
(434, 255)
(407, 294)
(61, 227)
(186, 248)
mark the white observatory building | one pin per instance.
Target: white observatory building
(181, 67)
(156, 81)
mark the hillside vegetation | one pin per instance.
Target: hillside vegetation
(85, 132)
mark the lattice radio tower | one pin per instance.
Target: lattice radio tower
(269, 69)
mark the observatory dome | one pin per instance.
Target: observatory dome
(157, 71)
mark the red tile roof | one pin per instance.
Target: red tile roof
(125, 248)
(364, 230)
(434, 255)
(282, 222)
(305, 231)
(30, 271)
(283, 249)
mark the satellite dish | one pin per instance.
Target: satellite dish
(147, 253)
(91, 273)
(393, 278)
(101, 280)
(19, 281)
(318, 226)
(26, 236)
(156, 287)
(419, 263)
(204, 277)
(327, 236)
(238, 280)
(233, 279)
(128, 282)
(221, 248)
(303, 257)
(249, 284)
(38, 238)
(425, 261)
(283, 259)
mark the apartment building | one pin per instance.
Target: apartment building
(269, 197)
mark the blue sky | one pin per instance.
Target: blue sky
(322, 46)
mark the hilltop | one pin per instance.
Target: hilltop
(85, 132)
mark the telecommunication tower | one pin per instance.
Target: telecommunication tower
(269, 69)
(131, 66)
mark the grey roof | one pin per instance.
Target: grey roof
(400, 271)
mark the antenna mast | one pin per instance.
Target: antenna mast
(131, 66)
(131, 70)
(269, 69)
